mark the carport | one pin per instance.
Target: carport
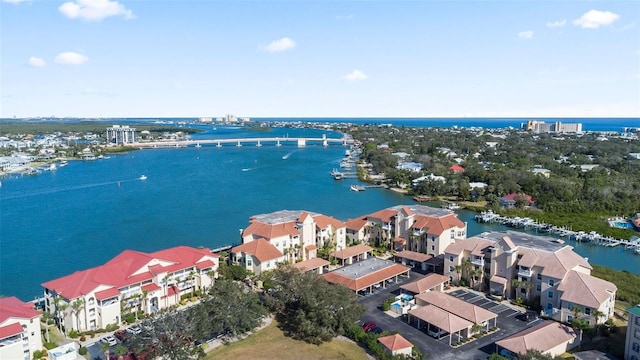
(352, 254)
(438, 321)
(412, 258)
(367, 274)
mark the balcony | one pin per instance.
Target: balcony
(477, 261)
(522, 271)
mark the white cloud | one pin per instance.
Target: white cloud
(554, 24)
(94, 10)
(70, 58)
(283, 44)
(36, 62)
(593, 19)
(525, 34)
(356, 75)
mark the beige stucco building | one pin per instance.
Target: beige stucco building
(19, 329)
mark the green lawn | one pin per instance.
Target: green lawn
(270, 343)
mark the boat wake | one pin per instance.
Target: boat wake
(285, 157)
(71, 188)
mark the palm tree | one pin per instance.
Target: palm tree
(576, 310)
(76, 306)
(515, 284)
(165, 285)
(59, 311)
(104, 347)
(121, 351)
(597, 314)
(477, 273)
(145, 301)
(458, 269)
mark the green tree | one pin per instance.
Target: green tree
(76, 306)
(309, 308)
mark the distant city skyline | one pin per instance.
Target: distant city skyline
(298, 58)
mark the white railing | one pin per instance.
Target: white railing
(477, 261)
(524, 272)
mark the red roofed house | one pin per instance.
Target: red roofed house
(257, 256)
(358, 230)
(131, 281)
(548, 337)
(427, 230)
(396, 345)
(19, 329)
(292, 232)
(509, 201)
(455, 168)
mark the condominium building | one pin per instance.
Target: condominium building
(297, 234)
(417, 227)
(518, 265)
(19, 329)
(121, 135)
(632, 343)
(557, 127)
(132, 281)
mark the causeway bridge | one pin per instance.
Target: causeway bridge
(277, 141)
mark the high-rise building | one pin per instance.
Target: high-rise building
(121, 134)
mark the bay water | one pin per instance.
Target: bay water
(84, 214)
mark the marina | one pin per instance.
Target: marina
(580, 236)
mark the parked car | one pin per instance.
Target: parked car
(134, 330)
(110, 339)
(120, 335)
(527, 316)
(377, 330)
(368, 326)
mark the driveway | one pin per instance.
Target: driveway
(440, 349)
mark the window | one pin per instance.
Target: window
(539, 276)
(636, 334)
(523, 291)
(587, 311)
(636, 347)
(638, 320)
(451, 259)
(550, 294)
(450, 268)
(433, 247)
(248, 262)
(550, 282)
(569, 318)
(268, 263)
(538, 287)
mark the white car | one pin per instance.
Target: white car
(134, 330)
(111, 340)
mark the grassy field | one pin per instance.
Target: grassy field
(270, 343)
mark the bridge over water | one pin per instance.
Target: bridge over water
(277, 141)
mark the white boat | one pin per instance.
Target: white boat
(64, 163)
(453, 206)
(53, 167)
(357, 188)
(143, 177)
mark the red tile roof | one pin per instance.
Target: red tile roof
(271, 231)
(412, 255)
(12, 307)
(352, 251)
(449, 303)
(150, 287)
(357, 224)
(425, 283)
(542, 337)
(384, 215)
(108, 293)
(443, 319)
(205, 264)
(10, 330)
(261, 249)
(395, 342)
(310, 247)
(323, 222)
(366, 280)
(437, 225)
(311, 264)
(456, 168)
(586, 290)
(129, 267)
(513, 196)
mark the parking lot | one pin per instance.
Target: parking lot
(481, 348)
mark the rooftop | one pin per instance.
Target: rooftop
(424, 210)
(282, 216)
(364, 267)
(635, 310)
(526, 240)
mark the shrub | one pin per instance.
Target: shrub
(129, 318)
(49, 346)
(111, 327)
(73, 334)
(82, 350)
(37, 354)
(83, 338)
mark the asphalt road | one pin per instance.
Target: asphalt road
(440, 349)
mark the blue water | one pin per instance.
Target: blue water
(84, 214)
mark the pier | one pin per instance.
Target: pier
(276, 141)
(531, 224)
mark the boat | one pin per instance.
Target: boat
(421, 198)
(198, 145)
(357, 188)
(64, 163)
(53, 167)
(451, 206)
(143, 177)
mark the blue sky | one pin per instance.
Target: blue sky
(105, 58)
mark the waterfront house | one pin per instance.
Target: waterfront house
(519, 265)
(358, 230)
(396, 345)
(257, 256)
(548, 337)
(427, 230)
(132, 281)
(20, 333)
(295, 233)
(510, 200)
(632, 343)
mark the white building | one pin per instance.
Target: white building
(19, 329)
(632, 344)
(121, 135)
(132, 281)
